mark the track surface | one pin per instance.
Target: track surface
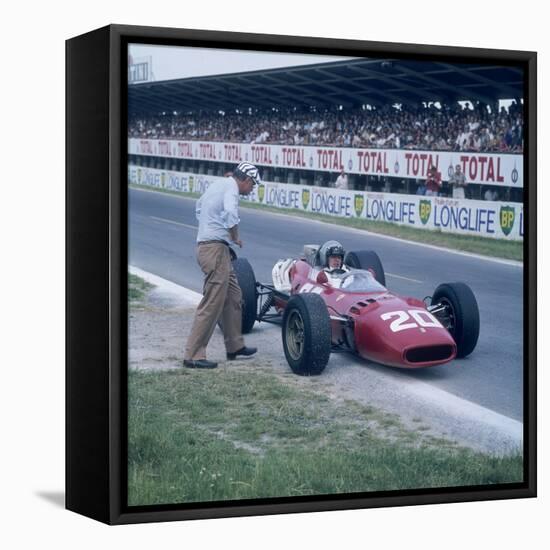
(162, 233)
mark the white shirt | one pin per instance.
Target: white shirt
(490, 195)
(341, 182)
(218, 210)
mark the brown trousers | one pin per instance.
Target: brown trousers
(221, 301)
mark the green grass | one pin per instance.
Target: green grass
(137, 288)
(478, 245)
(237, 433)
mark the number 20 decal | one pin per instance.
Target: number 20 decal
(419, 319)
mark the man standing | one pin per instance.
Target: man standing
(491, 194)
(458, 183)
(217, 212)
(433, 182)
(341, 181)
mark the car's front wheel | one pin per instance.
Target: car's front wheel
(306, 334)
(458, 312)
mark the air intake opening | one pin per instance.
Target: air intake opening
(428, 354)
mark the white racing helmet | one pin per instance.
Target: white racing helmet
(330, 248)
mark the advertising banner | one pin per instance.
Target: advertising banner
(499, 220)
(479, 168)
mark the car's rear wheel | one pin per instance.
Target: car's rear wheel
(367, 259)
(306, 334)
(459, 314)
(247, 282)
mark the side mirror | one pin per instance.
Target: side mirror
(322, 278)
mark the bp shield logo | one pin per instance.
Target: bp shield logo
(358, 203)
(261, 193)
(190, 184)
(507, 218)
(306, 195)
(425, 211)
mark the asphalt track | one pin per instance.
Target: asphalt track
(162, 233)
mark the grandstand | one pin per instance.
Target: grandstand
(357, 103)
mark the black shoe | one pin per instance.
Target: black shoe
(199, 364)
(243, 351)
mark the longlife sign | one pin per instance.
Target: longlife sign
(499, 220)
(479, 168)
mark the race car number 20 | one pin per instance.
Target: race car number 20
(413, 318)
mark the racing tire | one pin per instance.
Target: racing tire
(247, 282)
(463, 315)
(306, 334)
(367, 259)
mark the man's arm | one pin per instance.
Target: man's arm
(231, 215)
(234, 234)
(198, 208)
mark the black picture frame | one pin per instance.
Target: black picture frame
(96, 275)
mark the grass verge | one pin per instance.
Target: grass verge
(137, 288)
(240, 433)
(478, 245)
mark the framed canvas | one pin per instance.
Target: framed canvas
(356, 330)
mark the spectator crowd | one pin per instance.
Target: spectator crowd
(485, 128)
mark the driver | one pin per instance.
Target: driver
(331, 256)
(335, 262)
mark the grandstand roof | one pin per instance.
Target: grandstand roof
(349, 83)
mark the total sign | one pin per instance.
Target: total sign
(501, 169)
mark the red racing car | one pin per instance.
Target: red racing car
(349, 309)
